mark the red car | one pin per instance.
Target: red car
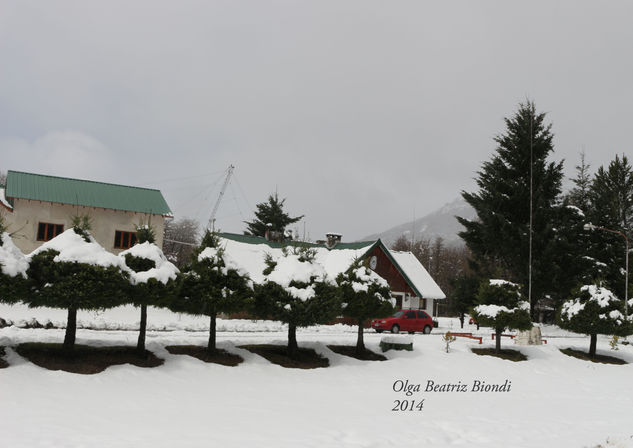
(404, 320)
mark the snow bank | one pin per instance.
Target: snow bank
(12, 260)
(163, 271)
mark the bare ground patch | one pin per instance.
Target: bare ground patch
(510, 355)
(218, 356)
(350, 350)
(306, 358)
(84, 359)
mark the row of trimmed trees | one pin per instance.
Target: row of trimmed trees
(73, 272)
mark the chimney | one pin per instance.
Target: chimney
(333, 239)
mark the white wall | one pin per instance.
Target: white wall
(23, 222)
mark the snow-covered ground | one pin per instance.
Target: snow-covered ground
(553, 400)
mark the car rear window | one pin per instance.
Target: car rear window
(422, 315)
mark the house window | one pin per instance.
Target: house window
(47, 231)
(124, 240)
(422, 304)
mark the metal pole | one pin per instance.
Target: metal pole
(626, 286)
(531, 212)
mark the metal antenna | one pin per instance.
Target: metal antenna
(211, 224)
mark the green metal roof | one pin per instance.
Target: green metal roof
(63, 190)
(250, 239)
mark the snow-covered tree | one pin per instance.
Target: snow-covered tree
(270, 216)
(364, 294)
(214, 283)
(152, 277)
(74, 272)
(595, 310)
(500, 306)
(296, 290)
(13, 267)
(611, 197)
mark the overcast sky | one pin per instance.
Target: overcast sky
(360, 113)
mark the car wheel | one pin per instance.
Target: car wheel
(427, 329)
(395, 329)
(378, 331)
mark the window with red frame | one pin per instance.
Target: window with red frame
(124, 240)
(47, 231)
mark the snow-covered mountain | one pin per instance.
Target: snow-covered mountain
(441, 222)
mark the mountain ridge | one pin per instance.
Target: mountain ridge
(439, 223)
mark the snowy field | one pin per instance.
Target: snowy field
(554, 400)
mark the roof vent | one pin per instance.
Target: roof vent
(332, 239)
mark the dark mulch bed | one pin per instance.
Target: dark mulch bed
(219, 356)
(510, 355)
(350, 350)
(603, 359)
(306, 358)
(3, 363)
(84, 359)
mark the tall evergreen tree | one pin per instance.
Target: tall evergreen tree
(499, 238)
(270, 216)
(611, 197)
(579, 195)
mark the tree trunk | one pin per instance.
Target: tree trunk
(360, 343)
(498, 341)
(461, 319)
(593, 339)
(292, 341)
(211, 347)
(140, 345)
(71, 329)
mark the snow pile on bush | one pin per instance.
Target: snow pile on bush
(12, 260)
(163, 271)
(600, 296)
(72, 247)
(292, 270)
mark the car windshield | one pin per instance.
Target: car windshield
(398, 314)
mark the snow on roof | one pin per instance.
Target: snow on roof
(251, 257)
(416, 273)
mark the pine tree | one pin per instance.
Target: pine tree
(364, 295)
(297, 291)
(212, 284)
(500, 306)
(595, 310)
(270, 216)
(611, 197)
(465, 287)
(579, 195)
(153, 278)
(74, 272)
(499, 238)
